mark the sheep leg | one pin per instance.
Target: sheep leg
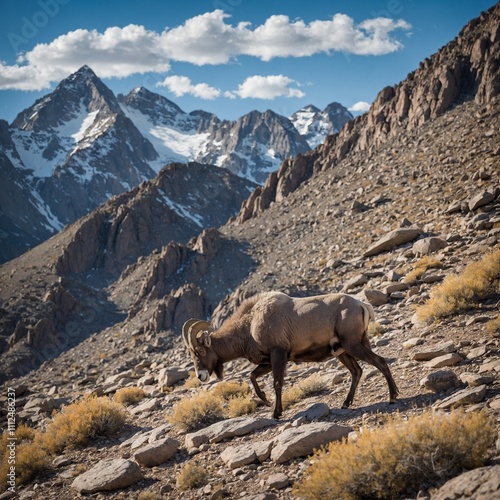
(278, 363)
(258, 372)
(356, 371)
(364, 353)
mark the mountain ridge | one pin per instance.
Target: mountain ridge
(81, 144)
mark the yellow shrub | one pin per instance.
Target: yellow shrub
(80, 422)
(240, 406)
(129, 395)
(27, 458)
(311, 385)
(192, 382)
(399, 459)
(459, 292)
(191, 476)
(493, 325)
(230, 389)
(195, 412)
(420, 267)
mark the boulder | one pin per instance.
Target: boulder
(471, 395)
(451, 359)
(374, 297)
(278, 481)
(156, 453)
(108, 475)
(475, 379)
(478, 484)
(168, 377)
(426, 246)
(480, 200)
(440, 381)
(435, 351)
(302, 441)
(392, 240)
(226, 429)
(238, 456)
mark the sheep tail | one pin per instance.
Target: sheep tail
(368, 313)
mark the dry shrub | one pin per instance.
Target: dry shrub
(197, 411)
(29, 459)
(239, 406)
(129, 395)
(191, 476)
(192, 382)
(420, 267)
(80, 422)
(459, 292)
(311, 385)
(231, 389)
(396, 461)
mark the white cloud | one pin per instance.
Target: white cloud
(181, 85)
(267, 87)
(205, 39)
(360, 107)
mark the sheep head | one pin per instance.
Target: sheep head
(197, 337)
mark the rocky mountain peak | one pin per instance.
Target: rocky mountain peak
(81, 92)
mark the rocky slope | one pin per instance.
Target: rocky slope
(316, 226)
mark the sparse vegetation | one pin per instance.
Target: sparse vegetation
(231, 389)
(197, 411)
(240, 406)
(74, 426)
(459, 292)
(402, 457)
(493, 326)
(307, 387)
(420, 267)
(129, 395)
(191, 476)
(192, 382)
(80, 422)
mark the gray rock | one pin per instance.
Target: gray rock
(477, 352)
(480, 200)
(426, 246)
(451, 359)
(478, 484)
(475, 379)
(358, 280)
(168, 377)
(392, 240)
(374, 297)
(315, 412)
(435, 351)
(440, 381)
(278, 481)
(156, 453)
(108, 475)
(226, 429)
(302, 441)
(472, 395)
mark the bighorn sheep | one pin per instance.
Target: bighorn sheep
(272, 328)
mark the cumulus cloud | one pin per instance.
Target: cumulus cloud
(181, 85)
(205, 39)
(360, 107)
(267, 87)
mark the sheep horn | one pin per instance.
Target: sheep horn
(185, 329)
(196, 328)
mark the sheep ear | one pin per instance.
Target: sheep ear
(207, 339)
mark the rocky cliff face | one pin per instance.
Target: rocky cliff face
(468, 68)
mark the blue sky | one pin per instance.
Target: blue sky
(224, 56)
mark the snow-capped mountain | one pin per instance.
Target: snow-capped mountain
(80, 145)
(314, 125)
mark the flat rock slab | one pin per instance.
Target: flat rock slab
(108, 475)
(227, 429)
(157, 452)
(392, 240)
(479, 484)
(435, 351)
(472, 395)
(238, 456)
(302, 441)
(451, 359)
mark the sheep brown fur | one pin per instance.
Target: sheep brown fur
(272, 328)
